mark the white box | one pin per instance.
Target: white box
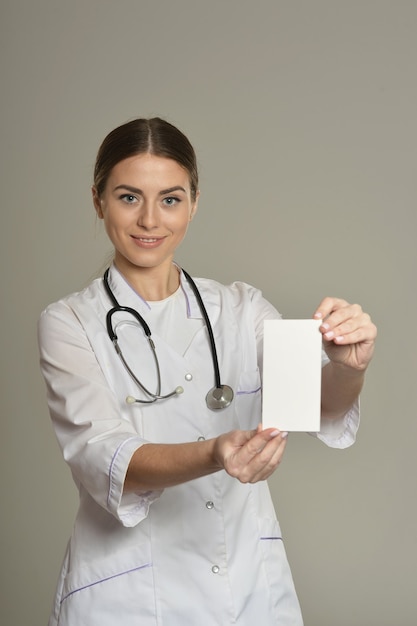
(292, 375)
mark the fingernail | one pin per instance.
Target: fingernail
(317, 315)
(275, 433)
(329, 335)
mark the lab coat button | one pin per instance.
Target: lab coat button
(209, 504)
(201, 438)
(188, 377)
(215, 569)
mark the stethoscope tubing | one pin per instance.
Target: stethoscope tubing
(219, 397)
(209, 329)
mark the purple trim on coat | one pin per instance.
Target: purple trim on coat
(103, 580)
(270, 538)
(112, 465)
(247, 393)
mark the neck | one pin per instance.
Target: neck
(152, 284)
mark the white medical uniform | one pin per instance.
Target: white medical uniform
(208, 552)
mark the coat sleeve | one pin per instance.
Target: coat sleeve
(339, 433)
(96, 442)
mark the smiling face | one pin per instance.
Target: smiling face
(146, 207)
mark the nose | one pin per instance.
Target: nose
(148, 216)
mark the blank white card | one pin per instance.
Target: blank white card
(292, 375)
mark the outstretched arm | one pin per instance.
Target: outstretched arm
(248, 455)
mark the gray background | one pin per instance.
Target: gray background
(303, 114)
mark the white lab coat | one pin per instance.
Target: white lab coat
(208, 552)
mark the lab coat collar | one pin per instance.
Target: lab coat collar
(127, 296)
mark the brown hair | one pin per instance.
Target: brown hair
(152, 136)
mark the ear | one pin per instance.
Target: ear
(97, 203)
(195, 205)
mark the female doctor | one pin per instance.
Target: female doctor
(154, 389)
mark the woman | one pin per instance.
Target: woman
(176, 524)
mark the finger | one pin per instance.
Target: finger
(356, 336)
(262, 438)
(327, 306)
(343, 321)
(351, 330)
(266, 462)
(257, 442)
(342, 314)
(265, 453)
(349, 311)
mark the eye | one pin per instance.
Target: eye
(171, 201)
(128, 198)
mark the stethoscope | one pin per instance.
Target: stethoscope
(219, 397)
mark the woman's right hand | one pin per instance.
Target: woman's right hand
(250, 455)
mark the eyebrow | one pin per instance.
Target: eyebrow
(163, 192)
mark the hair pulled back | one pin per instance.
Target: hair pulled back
(145, 136)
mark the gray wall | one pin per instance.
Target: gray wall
(303, 114)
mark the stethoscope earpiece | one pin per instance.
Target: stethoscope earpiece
(217, 398)
(177, 392)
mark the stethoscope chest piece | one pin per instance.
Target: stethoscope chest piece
(219, 397)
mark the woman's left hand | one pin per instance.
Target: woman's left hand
(348, 333)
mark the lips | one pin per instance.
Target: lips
(147, 242)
